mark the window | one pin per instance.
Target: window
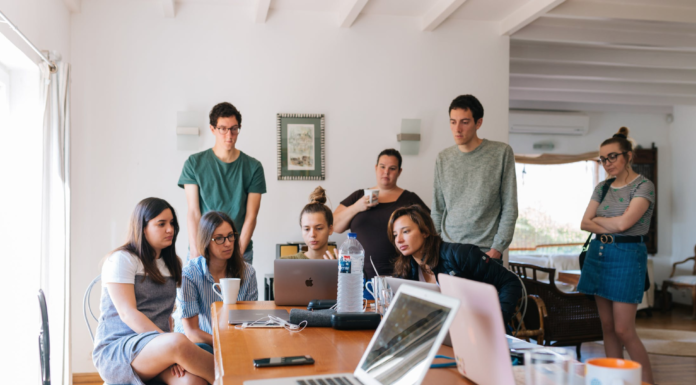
(552, 200)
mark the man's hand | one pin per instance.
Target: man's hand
(495, 254)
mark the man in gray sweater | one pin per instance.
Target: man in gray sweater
(475, 191)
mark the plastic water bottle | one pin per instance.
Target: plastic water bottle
(351, 257)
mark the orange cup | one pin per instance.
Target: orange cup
(612, 371)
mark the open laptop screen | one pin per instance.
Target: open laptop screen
(400, 351)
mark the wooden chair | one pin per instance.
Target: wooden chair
(564, 318)
(681, 282)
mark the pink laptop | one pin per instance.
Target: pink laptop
(478, 332)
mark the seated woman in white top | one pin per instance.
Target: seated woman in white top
(133, 343)
(218, 241)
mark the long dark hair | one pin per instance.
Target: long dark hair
(317, 204)
(206, 229)
(431, 246)
(136, 244)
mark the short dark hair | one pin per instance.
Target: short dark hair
(390, 152)
(224, 110)
(468, 102)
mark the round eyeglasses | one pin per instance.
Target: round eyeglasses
(224, 130)
(221, 240)
(611, 158)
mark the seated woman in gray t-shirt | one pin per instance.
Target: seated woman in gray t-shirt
(133, 343)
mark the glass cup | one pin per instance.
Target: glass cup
(379, 288)
(548, 366)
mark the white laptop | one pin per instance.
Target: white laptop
(403, 346)
(298, 281)
(395, 283)
(478, 332)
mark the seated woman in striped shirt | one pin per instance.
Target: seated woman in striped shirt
(218, 241)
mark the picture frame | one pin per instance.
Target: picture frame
(301, 153)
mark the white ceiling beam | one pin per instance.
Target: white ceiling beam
(169, 8)
(591, 34)
(610, 10)
(557, 53)
(599, 86)
(350, 11)
(610, 73)
(439, 13)
(599, 107)
(582, 97)
(526, 14)
(74, 6)
(261, 11)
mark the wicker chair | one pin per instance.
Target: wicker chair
(566, 319)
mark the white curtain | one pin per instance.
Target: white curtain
(55, 216)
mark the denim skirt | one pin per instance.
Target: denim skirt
(615, 271)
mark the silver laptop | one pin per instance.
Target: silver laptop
(403, 346)
(238, 317)
(395, 283)
(298, 281)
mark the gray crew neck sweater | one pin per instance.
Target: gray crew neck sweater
(475, 195)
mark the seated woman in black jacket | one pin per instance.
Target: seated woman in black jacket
(422, 255)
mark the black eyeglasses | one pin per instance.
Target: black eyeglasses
(611, 158)
(223, 130)
(221, 240)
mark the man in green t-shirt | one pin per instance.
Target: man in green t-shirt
(224, 178)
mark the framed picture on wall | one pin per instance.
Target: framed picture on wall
(301, 147)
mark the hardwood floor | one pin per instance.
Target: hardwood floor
(668, 370)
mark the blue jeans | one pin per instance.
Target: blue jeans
(249, 257)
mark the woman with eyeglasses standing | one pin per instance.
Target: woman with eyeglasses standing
(616, 261)
(221, 257)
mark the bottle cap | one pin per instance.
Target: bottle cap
(352, 235)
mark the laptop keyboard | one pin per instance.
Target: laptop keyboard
(327, 381)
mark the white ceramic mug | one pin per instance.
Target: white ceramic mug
(373, 194)
(229, 288)
(612, 371)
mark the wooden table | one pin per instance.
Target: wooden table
(569, 276)
(334, 351)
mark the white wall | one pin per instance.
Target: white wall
(645, 129)
(46, 23)
(683, 138)
(134, 69)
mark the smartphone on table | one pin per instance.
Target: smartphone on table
(283, 361)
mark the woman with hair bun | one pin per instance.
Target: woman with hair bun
(316, 221)
(616, 261)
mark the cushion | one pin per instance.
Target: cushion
(684, 279)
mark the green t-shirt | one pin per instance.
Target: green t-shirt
(224, 186)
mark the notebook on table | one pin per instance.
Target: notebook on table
(403, 346)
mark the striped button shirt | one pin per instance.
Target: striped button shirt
(196, 295)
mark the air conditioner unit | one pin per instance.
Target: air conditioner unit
(548, 123)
